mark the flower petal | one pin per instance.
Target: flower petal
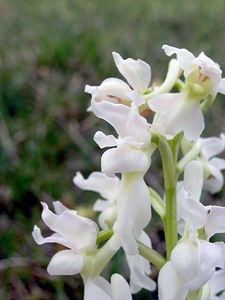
(136, 72)
(211, 146)
(103, 140)
(124, 159)
(98, 182)
(65, 262)
(212, 255)
(69, 225)
(125, 120)
(111, 89)
(54, 238)
(184, 57)
(176, 114)
(196, 261)
(193, 180)
(218, 163)
(166, 103)
(97, 289)
(214, 183)
(171, 286)
(194, 213)
(221, 88)
(139, 271)
(129, 229)
(215, 221)
(217, 283)
(59, 207)
(120, 288)
(208, 67)
(108, 216)
(190, 120)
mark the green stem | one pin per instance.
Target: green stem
(169, 167)
(104, 235)
(157, 203)
(151, 255)
(95, 263)
(191, 155)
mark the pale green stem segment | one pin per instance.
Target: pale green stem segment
(151, 255)
(96, 262)
(169, 172)
(157, 203)
(207, 103)
(173, 73)
(195, 295)
(104, 235)
(191, 155)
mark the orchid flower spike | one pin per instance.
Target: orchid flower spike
(199, 70)
(193, 261)
(138, 75)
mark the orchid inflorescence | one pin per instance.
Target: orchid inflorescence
(168, 117)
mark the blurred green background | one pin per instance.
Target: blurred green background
(49, 50)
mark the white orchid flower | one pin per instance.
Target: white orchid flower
(100, 289)
(67, 225)
(82, 255)
(209, 148)
(177, 112)
(191, 210)
(207, 69)
(193, 263)
(108, 188)
(138, 75)
(132, 149)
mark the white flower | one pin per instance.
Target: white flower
(210, 147)
(176, 113)
(206, 67)
(189, 209)
(140, 268)
(67, 225)
(108, 188)
(100, 289)
(193, 263)
(132, 152)
(138, 75)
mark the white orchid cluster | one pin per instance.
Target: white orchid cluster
(169, 118)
